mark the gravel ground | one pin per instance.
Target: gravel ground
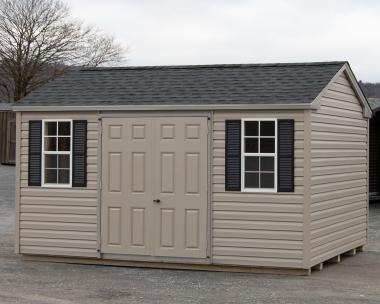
(355, 280)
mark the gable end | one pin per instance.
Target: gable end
(350, 81)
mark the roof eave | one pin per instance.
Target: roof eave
(4, 107)
(295, 106)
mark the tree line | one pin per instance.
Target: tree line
(40, 40)
(370, 89)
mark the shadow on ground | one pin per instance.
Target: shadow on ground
(355, 280)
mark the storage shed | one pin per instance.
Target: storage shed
(374, 148)
(7, 134)
(234, 167)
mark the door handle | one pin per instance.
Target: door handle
(157, 200)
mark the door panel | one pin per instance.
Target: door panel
(138, 226)
(114, 226)
(114, 172)
(181, 172)
(192, 177)
(166, 224)
(192, 231)
(167, 164)
(127, 185)
(154, 159)
(138, 173)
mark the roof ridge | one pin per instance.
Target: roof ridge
(200, 66)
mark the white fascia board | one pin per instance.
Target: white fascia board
(317, 101)
(351, 76)
(300, 106)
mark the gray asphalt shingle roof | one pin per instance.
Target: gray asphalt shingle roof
(287, 83)
(5, 106)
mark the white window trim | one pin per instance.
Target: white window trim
(243, 155)
(43, 153)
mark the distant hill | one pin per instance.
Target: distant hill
(370, 89)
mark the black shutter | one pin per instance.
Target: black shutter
(233, 155)
(79, 153)
(285, 155)
(34, 161)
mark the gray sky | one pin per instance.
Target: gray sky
(160, 32)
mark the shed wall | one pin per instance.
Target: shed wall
(260, 229)
(59, 221)
(339, 174)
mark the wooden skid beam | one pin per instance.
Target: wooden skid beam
(335, 259)
(225, 268)
(360, 249)
(351, 252)
(318, 267)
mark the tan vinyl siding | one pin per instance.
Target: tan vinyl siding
(60, 221)
(338, 173)
(257, 229)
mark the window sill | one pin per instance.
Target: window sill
(259, 191)
(56, 186)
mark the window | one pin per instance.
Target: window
(259, 155)
(56, 152)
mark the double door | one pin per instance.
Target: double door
(154, 186)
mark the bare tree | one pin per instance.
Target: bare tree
(39, 40)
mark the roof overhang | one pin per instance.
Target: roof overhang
(375, 111)
(346, 69)
(4, 107)
(194, 107)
